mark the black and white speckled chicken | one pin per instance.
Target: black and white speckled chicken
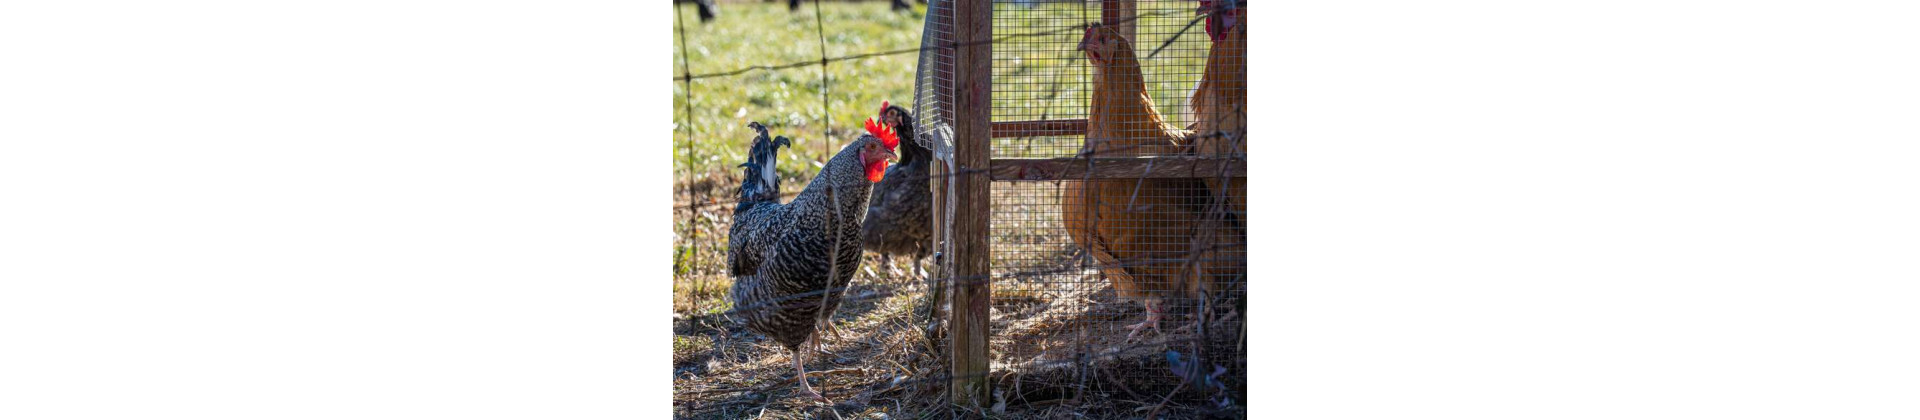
(799, 257)
(900, 215)
(759, 196)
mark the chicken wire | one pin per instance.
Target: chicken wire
(933, 82)
(1046, 77)
(1055, 312)
(933, 93)
(1057, 320)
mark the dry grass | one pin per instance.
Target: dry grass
(887, 365)
(726, 372)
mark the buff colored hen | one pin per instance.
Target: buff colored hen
(1153, 238)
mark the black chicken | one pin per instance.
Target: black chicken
(900, 219)
(706, 7)
(792, 262)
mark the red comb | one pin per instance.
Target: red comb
(885, 134)
(883, 107)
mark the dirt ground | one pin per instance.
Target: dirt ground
(1060, 347)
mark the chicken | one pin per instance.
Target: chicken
(1122, 113)
(1137, 230)
(798, 258)
(706, 8)
(900, 215)
(759, 196)
(1220, 101)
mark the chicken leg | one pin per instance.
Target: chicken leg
(886, 263)
(816, 342)
(1153, 319)
(800, 364)
(834, 331)
(919, 268)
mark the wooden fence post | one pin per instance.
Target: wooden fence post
(938, 287)
(973, 92)
(1119, 14)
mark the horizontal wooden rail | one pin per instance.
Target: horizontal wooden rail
(1037, 128)
(1117, 167)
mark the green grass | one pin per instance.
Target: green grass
(1034, 77)
(686, 347)
(788, 101)
(1046, 77)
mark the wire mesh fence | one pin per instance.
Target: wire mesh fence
(1138, 253)
(1131, 285)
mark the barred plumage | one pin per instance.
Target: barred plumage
(793, 262)
(759, 196)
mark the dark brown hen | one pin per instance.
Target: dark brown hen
(900, 215)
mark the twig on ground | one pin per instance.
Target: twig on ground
(1163, 401)
(782, 383)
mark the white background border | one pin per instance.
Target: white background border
(1483, 209)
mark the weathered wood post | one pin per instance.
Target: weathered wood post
(1119, 14)
(938, 287)
(973, 97)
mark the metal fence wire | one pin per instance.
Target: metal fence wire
(1080, 265)
(1175, 244)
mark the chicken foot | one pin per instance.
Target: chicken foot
(800, 364)
(818, 345)
(1153, 320)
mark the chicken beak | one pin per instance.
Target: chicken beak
(889, 156)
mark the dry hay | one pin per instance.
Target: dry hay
(881, 363)
(1057, 346)
(1060, 346)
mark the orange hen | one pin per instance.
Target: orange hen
(1153, 238)
(1220, 102)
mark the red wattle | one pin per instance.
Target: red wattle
(876, 170)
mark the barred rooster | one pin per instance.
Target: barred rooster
(795, 260)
